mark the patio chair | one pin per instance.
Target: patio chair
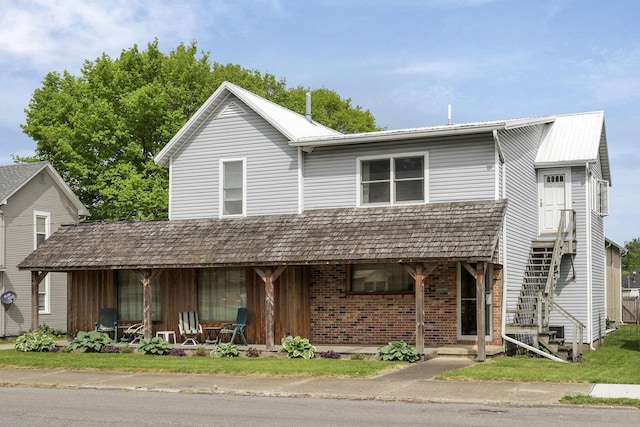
(189, 327)
(108, 322)
(133, 334)
(237, 328)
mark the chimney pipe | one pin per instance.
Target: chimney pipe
(449, 114)
(308, 113)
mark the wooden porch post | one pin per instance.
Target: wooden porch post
(147, 277)
(268, 276)
(419, 273)
(478, 273)
(480, 310)
(36, 278)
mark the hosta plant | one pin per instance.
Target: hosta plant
(89, 342)
(35, 341)
(298, 347)
(154, 346)
(398, 350)
(226, 350)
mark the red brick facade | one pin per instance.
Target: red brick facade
(338, 317)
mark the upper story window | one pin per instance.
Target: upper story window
(392, 180)
(600, 194)
(232, 187)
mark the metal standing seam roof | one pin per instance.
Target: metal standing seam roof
(575, 139)
(437, 231)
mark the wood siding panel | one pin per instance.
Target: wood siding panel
(272, 175)
(39, 194)
(460, 168)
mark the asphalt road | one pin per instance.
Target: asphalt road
(72, 407)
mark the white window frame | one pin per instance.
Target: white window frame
(2, 233)
(221, 187)
(600, 196)
(47, 280)
(392, 180)
(488, 304)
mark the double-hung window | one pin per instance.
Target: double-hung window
(392, 180)
(232, 187)
(41, 230)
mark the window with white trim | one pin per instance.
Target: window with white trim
(467, 306)
(601, 197)
(41, 231)
(232, 187)
(392, 180)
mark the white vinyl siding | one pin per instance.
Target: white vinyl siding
(271, 166)
(457, 168)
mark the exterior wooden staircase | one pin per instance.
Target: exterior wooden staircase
(528, 321)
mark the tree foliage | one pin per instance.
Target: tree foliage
(631, 261)
(101, 129)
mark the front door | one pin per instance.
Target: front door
(553, 192)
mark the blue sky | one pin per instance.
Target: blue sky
(403, 60)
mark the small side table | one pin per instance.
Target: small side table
(212, 334)
(166, 335)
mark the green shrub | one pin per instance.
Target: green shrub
(200, 351)
(226, 350)
(356, 356)
(252, 352)
(298, 348)
(57, 333)
(126, 349)
(154, 346)
(35, 341)
(398, 350)
(89, 342)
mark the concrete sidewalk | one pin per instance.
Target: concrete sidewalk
(415, 383)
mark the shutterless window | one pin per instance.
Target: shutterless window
(380, 278)
(233, 187)
(392, 180)
(41, 232)
(221, 291)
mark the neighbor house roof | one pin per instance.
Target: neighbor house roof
(14, 177)
(436, 231)
(291, 124)
(574, 140)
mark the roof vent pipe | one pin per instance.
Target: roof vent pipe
(308, 113)
(449, 114)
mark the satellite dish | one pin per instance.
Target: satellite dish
(8, 297)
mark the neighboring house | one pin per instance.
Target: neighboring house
(614, 253)
(34, 202)
(438, 236)
(631, 297)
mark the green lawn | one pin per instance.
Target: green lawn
(192, 364)
(616, 362)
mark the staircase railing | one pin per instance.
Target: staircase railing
(578, 331)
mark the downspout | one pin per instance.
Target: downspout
(300, 180)
(505, 267)
(589, 261)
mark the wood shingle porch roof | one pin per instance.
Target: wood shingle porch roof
(434, 231)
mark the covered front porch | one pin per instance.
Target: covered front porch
(298, 272)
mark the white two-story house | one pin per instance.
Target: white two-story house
(476, 234)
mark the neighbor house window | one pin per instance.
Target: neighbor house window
(41, 230)
(232, 187)
(131, 298)
(467, 308)
(392, 180)
(380, 278)
(221, 291)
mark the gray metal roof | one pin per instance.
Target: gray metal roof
(436, 231)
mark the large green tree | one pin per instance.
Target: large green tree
(631, 261)
(101, 129)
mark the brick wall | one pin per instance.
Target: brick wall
(341, 318)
